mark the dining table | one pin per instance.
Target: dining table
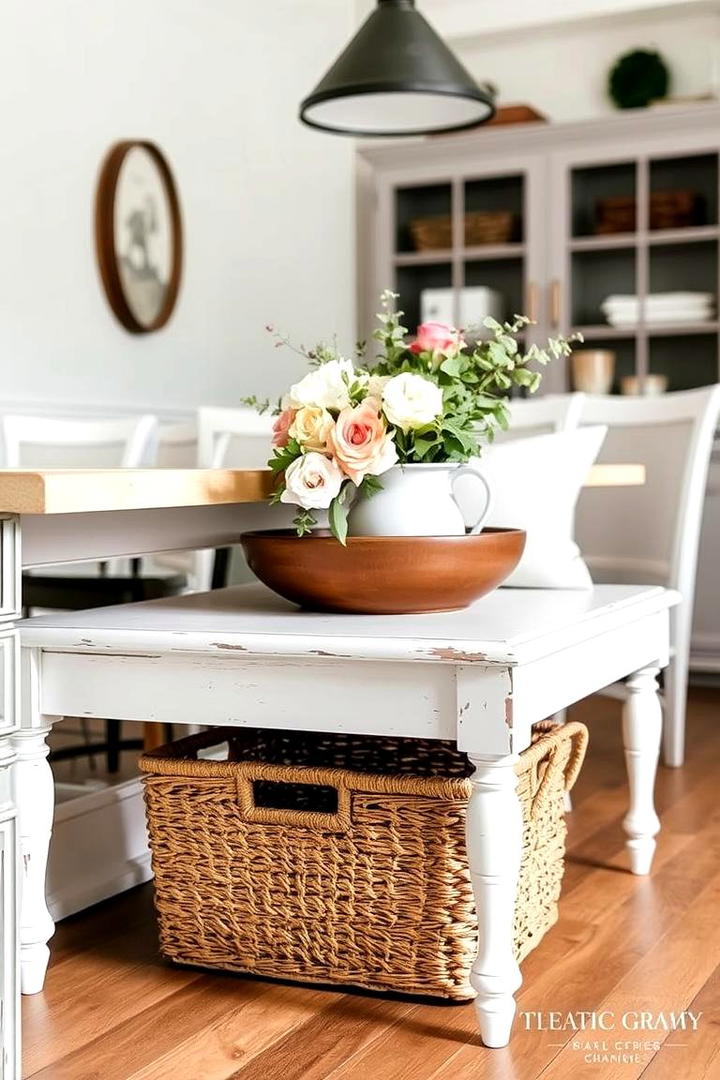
(54, 516)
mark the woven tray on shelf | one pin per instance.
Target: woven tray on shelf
(667, 210)
(481, 227)
(340, 858)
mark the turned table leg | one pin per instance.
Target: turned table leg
(494, 845)
(34, 799)
(642, 731)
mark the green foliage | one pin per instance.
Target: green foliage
(337, 517)
(304, 522)
(637, 78)
(338, 513)
(476, 381)
(261, 405)
(370, 486)
(284, 456)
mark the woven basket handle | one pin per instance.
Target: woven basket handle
(578, 736)
(250, 771)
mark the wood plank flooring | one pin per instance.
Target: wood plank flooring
(112, 1010)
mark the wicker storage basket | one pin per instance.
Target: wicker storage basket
(668, 210)
(341, 859)
(481, 227)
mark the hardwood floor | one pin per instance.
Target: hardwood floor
(112, 1010)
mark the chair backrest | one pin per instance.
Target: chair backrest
(650, 534)
(230, 438)
(233, 438)
(37, 442)
(542, 415)
(177, 446)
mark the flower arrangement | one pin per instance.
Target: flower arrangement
(434, 399)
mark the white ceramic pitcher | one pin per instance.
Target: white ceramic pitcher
(416, 500)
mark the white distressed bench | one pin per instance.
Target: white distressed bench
(242, 656)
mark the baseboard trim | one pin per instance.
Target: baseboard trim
(99, 848)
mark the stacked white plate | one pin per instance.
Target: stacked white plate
(623, 312)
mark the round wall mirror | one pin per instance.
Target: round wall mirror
(138, 234)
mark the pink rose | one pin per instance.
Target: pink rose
(436, 337)
(281, 427)
(360, 442)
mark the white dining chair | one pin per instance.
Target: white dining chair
(542, 415)
(650, 534)
(177, 445)
(36, 442)
(235, 439)
(52, 442)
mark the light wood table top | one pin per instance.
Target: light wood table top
(81, 491)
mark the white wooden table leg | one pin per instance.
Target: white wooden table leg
(34, 798)
(642, 730)
(494, 845)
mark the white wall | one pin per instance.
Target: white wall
(562, 70)
(456, 19)
(267, 203)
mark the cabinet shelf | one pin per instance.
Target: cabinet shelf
(694, 234)
(677, 329)
(424, 258)
(603, 330)
(592, 333)
(605, 242)
(493, 251)
(476, 254)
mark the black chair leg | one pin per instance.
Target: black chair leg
(112, 730)
(221, 566)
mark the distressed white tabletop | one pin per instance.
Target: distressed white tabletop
(509, 626)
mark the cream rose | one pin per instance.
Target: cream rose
(360, 442)
(325, 386)
(411, 401)
(311, 426)
(312, 481)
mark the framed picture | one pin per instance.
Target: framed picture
(138, 234)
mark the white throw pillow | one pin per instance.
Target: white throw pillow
(535, 484)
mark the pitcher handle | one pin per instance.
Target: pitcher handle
(470, 470)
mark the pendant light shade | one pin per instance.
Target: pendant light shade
(396, 77)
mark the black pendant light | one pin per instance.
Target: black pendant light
(396, 77)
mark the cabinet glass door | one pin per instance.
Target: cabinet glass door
(460, 251)
(636, 259)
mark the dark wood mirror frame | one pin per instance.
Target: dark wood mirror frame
(105, 236)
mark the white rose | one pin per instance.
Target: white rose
(324, 386)
(312, 481)
(411, 401)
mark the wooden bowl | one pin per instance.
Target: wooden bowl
(383, 575)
